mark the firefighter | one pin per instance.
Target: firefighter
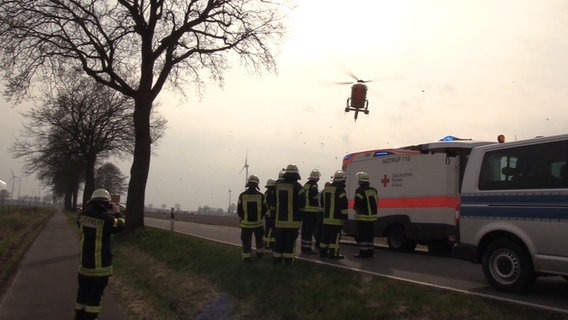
(251, 210)
(311, 210)
(335, 212)
(365, 206)
(96, 224)
(289, 204)
(268, 218)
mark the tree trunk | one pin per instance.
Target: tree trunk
(89, 179)
(67, 200)
(140, 165)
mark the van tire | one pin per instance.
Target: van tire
(398, 241)
(507, 266)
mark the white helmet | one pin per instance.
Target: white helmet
(292, 172)
(339, 176)
(100, 194)
(362, 177)
(253, 181)
(292, 168)
(315, 175)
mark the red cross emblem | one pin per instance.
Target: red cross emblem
(385, 180)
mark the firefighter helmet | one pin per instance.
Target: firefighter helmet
(292, 172)
(315, 175)
(252, 181)
(100, 194)
(270, 183)
(339, 176)
(362, 177)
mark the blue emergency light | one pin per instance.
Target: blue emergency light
(382, 153)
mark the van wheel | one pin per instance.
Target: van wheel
(398, 241)
(507, 266)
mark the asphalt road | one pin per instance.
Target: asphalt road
(420, 267)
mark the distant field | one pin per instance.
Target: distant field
(203, 219)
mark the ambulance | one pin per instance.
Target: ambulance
(419, 191)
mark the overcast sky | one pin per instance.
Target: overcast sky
(472, 69)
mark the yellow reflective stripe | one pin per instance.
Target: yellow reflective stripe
(98, 272)
(93, 309)
(370, 194)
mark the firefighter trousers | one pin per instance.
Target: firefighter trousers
(246, 238)
(331, 236)
(365, 238)
(285, 245)
(89, 296)
(309, 223)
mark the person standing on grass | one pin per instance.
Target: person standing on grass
(335, 212)
(365, 206)
(96, 224)
(290, 200)
(268, 218)
(311, 211)
(251, 210)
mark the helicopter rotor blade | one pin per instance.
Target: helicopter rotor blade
(341, 82)
(388, 78)
(352, 75)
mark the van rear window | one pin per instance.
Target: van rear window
(540, 166)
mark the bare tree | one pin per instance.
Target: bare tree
(84, 122)
(109, 177)
(135, 47)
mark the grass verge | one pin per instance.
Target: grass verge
(18, 229)
(165, 275)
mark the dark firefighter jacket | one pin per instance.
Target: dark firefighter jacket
(270, 201)
(335, 205)
(312, 197)
(251, 208)
(96, 224)
(290, 202)
(365, 206)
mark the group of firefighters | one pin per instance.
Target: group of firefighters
(276, 216)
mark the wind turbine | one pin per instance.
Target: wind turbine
(13, 181)
(246, 168)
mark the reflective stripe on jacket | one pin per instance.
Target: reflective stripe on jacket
(335, 205)
(251, 208)
(290, 199)
(365, 206)
(96, 225)
(312, 197)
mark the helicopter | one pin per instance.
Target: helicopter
(358, 101)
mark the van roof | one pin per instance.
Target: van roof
(535, 140)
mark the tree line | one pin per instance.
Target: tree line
(134, 49)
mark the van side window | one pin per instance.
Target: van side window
(541, 166)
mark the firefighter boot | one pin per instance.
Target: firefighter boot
(79, 314)
(277, 260)
(90, 316)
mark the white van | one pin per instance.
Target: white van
(513, 216)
